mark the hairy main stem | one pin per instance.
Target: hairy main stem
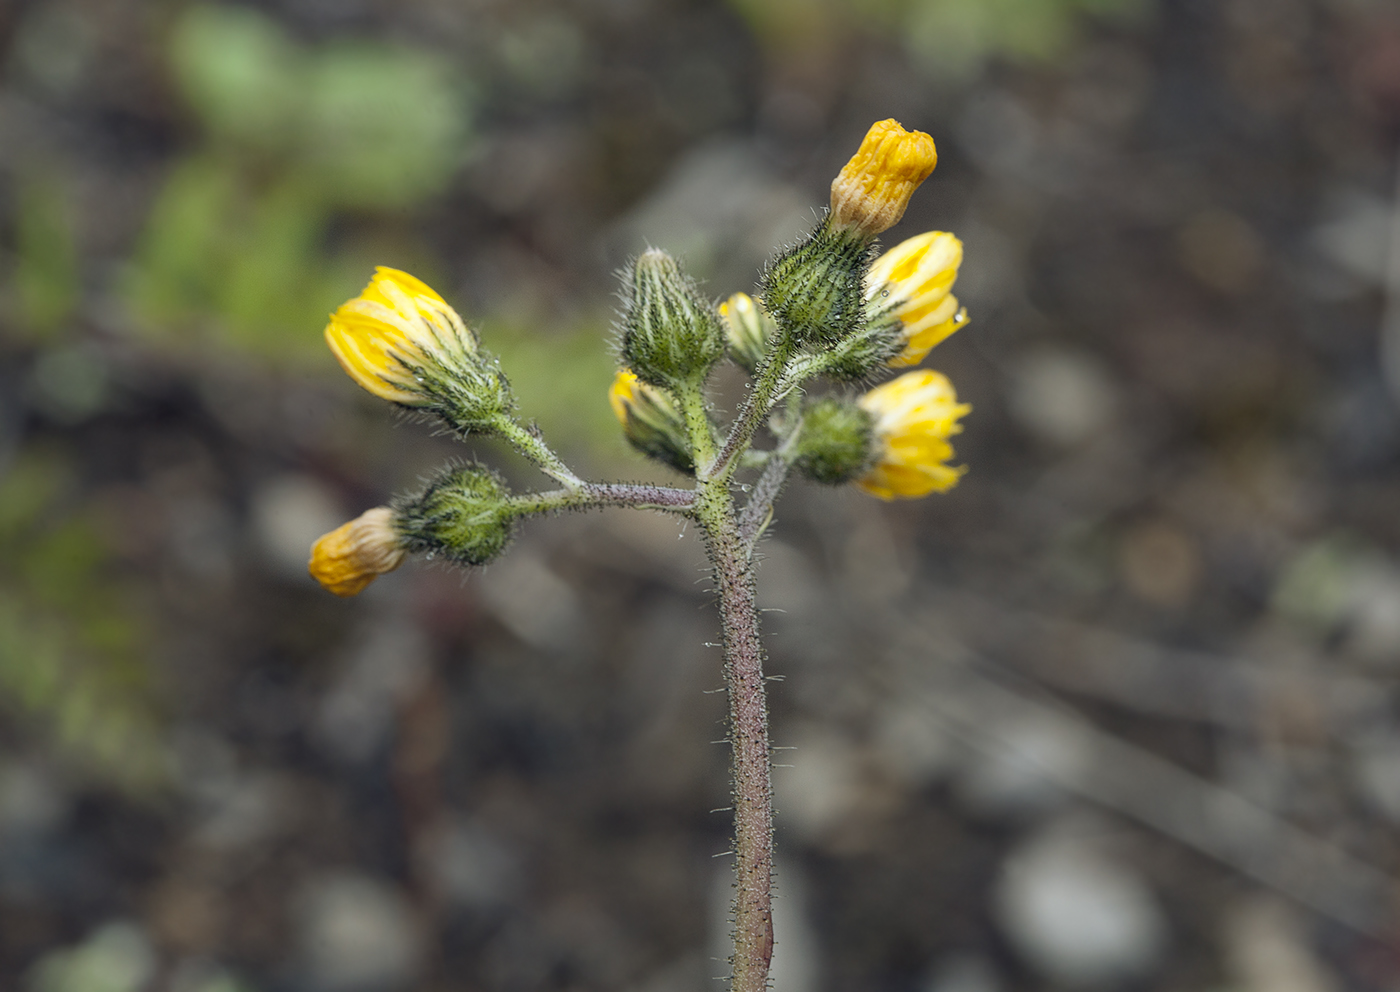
(748, 736)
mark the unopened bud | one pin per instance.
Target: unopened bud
(651, 421)
(671, 334)
(837, 443)
(353, 555)
(749, 329)
(870, 193)
(465, 515)
(816, 290)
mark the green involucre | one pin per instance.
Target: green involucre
(837, 443)
(464, 515)
(816, 289)
(671, 335)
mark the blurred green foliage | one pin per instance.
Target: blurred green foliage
(46, 270)
(948, 38)
(71, 650)
(294, 137)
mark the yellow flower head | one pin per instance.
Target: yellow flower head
(912, 281)
(913, 417)
(353, 555)
(871, 192)
(397, 328)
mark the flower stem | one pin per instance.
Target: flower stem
(755, 408)
(533, 448)
(748, 737)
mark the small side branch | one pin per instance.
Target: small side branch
(599, 494)
(533, 448)
(760, 400)
(759, 508)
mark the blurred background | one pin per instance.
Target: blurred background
(1119, 712)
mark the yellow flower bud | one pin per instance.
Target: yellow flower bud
(388, 335)
(651, 421)
(748, 328)
(913, 416)
(871, 192)
(912, 282)
(353, 555)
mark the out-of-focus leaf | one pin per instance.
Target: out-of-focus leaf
(268, 290)
(182, 253)
(383, 126)
(950, 38)
(240, 73)
(70, 645)
(46, 273)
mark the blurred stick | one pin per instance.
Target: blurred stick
(1390, 313)
(985, 712)
(1149, 678)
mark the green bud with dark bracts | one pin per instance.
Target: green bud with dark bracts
(816, 289)
(465, 515)
(837, 443)
(651, 421)
(749, 329)
(867, 351)
(671, 335)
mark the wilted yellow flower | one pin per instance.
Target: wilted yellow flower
(398, 327)
(871, 192)
(650, 420)
(353, 555)
(913, 416)
(912, 281)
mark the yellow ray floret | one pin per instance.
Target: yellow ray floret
(913, 417)
(913, 281)
(353, 555)
(871, 192)
(394, 333)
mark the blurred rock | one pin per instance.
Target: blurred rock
(721, 211)
(1336, 583)
(535, 604)
(1266, 949)
(357, 935)
(820, 783)
(1355, 235)
(69, 383)
(474, 867)
(31, 800)
(912, 745)
(289, 512)
(1221, 250)
(1060, 396)
(389, 660)
(1376, 768)
(1160, 563)
(1078, 916)
(198, 975)
(962, 973)
(117, 957)
(1025, 770)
